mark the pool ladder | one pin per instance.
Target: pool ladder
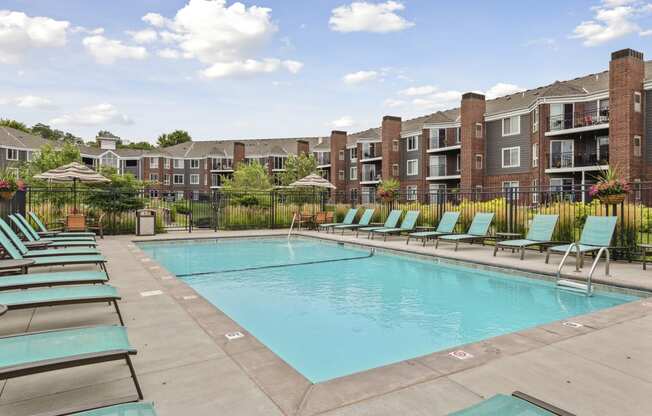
(579, 287)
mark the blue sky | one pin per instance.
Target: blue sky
(271, 68)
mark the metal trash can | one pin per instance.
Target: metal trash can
(145, 222)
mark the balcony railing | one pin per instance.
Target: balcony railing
(323, 158)
(222, 164)
(371, 151)
(437, 170)
(570, 160)
(437, 142)
(369, 176)
(579, 119)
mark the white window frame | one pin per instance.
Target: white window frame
(341, 155)
(153, 177)
(411, 192)
(353, 173)
(176, 162)
(15, 151)
(511, 162)
(194, 179)
(511, 184)
(458, 135)
(458, 162)
(535, 191)
(518, 126)
(166, 179)
(153, 162)
(395, 145)
(638, 149)
(415, 164)
(638, 101)
(480, 157)
(166, 163)
(478, 130)
(177, 175)
(535, 155)
(353, 154)
(412, 143)
(340, 175)
(535, 120)
(395, 170)
(193, 162)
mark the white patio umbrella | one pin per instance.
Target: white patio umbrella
(314, 181)
(73, 172)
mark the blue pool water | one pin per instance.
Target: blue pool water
(336, 318)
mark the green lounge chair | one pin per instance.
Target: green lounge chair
(32, 236)
(39, 352)
(446, 226)
(348, 220)
(120, 409)
(478, 231)
(539, 234)
(25, 252)
(367, 215)
(597, 233)
(54, 296)
(518, 404)
(408, 224)
(26, 281)
(44, 231)
(390, 222)
(13, 252)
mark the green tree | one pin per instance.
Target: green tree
(176, 137)
(248, 177)
(106, 133)
(297, 167)
(14, 124)
(50, 157)
(138, 146)
(49, 133)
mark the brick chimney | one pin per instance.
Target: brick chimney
(338, 143)
(238, 153)
(626, 75)
(303, 147)
(472, 113)
(389, 132)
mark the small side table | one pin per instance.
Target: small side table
(22, 265)
(645, 248)
(507, 236)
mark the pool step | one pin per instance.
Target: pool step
(573, 286)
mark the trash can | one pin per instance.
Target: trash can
(145, 222)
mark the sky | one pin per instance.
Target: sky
(284, 68)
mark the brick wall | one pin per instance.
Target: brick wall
(303, 147)
(338, 142)
(472, 112)
(238, 153)
(390, 131)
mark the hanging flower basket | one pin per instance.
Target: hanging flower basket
(610, 189)
(613, 199)
(7, 195)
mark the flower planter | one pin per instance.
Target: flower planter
(7, 195)
(612, 199)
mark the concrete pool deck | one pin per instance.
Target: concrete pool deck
(187, 366)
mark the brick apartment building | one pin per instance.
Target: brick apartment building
(559, 136)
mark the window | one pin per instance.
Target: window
(411, 192)
(110, 160)
(153, 177)
(353, 154)
(637, 101)
(637, 146)
(205, 180)
(535, 191)
(510, 185)
(412, 167)
(511, 125)
(153, 162)
(395, 146)
(194, 163)
(412, 143)
(437, 138)
(153, 193)
(341, 155)
(637, 189)
(478, 161)
(535, 120)
(437, 193)
(535, 155)
(340, 175)
(279, 162)
(194, 179)
(166, 179)
(166, 163)
(12, 154)
(177, 179)
(457, 163)
(458, 135)
(353, 173)
(178, 163)
(511, 157)
(131, 163)
(437, 165)
(395, 172)
(194, 195)
(354, 194)
(478, 130)
(179, 195)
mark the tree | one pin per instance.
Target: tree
(50, 157)
(108, 134)
(14, 124)
(248, 177)
(176, 137)
(49, 133)
(138, 145)
(297, 167)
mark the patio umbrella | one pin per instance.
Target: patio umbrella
(314, 181)
(73, 172)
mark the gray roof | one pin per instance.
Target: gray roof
(259, 147)
(373, 134)
(15, 138)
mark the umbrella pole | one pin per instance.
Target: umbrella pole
(74, 195)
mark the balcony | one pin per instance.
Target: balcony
(222, 165)
(369, 176)
(569, 161)
(371, 152)
(578, 122)
(441, 172)
(323, 159)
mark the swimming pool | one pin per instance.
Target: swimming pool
(335, 318)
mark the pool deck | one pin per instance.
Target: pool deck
(187, 366)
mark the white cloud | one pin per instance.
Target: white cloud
(613, 19)
(250, 67)
(107, 51)
(156, 20)
(360, 77)
(29, 101)
(501, 89)
(143, 36)
(20, 32)
(343, 122)
(438, 101)
(169, 53)
(361, 16)
(101, 114)
(417, 91)
(393, 103)
(646, 33)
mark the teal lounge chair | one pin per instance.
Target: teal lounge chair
(25, 252)
(39, 352)
(597, 233)
(13, 252)
(122, 409)
(348, 220)
(54, 296)
(408, 224)
(518, 404)
(478, 231)
(43, 231)
(446, 226)
(367, 215)
(390, 222)
(26, 281)
(33, 236)
(539, 234)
